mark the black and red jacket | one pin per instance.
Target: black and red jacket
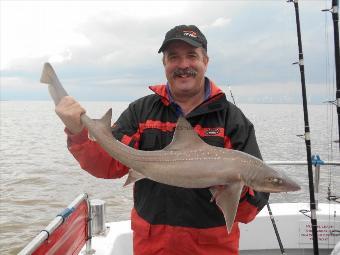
(167, 219)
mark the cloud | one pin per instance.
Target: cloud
(17, 88)
(44, 28)
(111, 46)
(97, 32)
(220, 22)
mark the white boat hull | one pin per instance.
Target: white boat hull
(257, 237)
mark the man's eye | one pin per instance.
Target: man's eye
(172, 57)
(192, 56)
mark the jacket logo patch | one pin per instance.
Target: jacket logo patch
(212, 131)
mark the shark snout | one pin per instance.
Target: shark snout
(291, 185)
(277, 181)
(282, 183)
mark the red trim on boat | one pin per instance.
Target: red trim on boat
(68, 238)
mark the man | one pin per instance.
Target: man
(165, 219)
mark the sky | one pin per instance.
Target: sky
(107, 50)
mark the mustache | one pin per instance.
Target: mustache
(186, 71)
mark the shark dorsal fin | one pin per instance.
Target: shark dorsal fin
(185, 137)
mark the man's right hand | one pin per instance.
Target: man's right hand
(69, 111)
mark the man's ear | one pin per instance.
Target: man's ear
(206, 60)
(163, 59)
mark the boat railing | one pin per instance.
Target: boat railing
(317, 163)
(74, 221)
(301, 163)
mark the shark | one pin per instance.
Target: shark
(186, 162)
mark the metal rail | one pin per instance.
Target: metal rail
(300, 163)
(58, 220)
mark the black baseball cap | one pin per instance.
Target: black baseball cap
(189, 34)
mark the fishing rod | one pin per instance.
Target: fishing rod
(272, 219)
(335, 16)
(307, 133)
(232, 96)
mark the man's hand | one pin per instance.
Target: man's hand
(69, 111)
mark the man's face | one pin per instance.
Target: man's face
(185, 67)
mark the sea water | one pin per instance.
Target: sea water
(39, 177)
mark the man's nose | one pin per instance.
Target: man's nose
(183, 62)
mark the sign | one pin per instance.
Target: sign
(328, 232)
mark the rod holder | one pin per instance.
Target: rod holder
(98, 215)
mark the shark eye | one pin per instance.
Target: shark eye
(274, 180)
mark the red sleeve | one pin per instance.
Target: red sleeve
(246, 211)
(92, 157)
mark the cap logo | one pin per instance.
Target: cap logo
(190, 34)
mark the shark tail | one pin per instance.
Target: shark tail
(55, 88)
(47, 74)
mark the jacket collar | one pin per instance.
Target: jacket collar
(161, 90)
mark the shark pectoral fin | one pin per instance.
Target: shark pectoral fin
(185, 137)
(133, 176)
(227, 199)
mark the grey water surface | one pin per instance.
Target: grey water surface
(39, 177)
